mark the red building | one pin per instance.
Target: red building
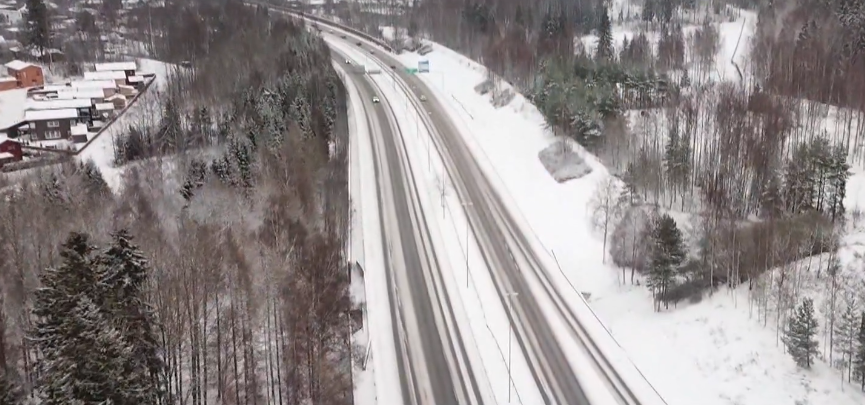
(10, 151)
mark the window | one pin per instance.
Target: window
(53, 124)
(52, 134)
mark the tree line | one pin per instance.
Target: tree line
(237, 200)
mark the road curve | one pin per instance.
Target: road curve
(433, 362)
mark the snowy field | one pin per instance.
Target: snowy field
(713, 353)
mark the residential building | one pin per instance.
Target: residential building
(10, 151)
(118, 100)
(84, 106)
(78, 133)
(128, 68)
(118, 77)
(94, 95)
(26, 74)
(51, 124)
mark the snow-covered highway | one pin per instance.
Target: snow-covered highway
(431, 360)
(556, 335)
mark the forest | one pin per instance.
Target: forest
(216, 273)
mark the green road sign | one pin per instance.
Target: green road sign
(411, 71)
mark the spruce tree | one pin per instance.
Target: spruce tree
(37, 25)
(800, 334)
(605, 38)
(859, 359)
(82, 357)
(668, 253)
(124, 273)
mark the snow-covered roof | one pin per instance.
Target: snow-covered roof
(93, 84)
(6, 155)
(43, 115)
(136, 79)
(8, 79)
(116, 97)
(104, 106)
(18, 65)
(115, 66)
(105, 75)
(80, 129)
(81, 93)
(59, 104)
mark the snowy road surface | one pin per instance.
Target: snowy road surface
(568, 366)
(433, 365)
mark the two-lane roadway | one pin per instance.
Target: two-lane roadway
(433, 363)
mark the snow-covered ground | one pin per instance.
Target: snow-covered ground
(714, 352)
(145, 111)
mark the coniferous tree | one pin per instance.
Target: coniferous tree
(605, 38)
(82, 355)
(94, 183)
(846, 331)
(37, 25)
(668, 253)
(124, 273)
(799, 337)
(838, 173)
(859, 359)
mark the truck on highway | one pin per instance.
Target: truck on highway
(371, 70)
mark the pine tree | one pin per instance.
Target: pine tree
(605, 38)
(846, 335)
(800, 334)
(668, 253)
(37, 25)
(82, 357)
(859, 359)
(124, 272)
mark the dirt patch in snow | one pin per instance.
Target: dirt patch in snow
(562, 162)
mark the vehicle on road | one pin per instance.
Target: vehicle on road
(347, 62)
(342, 36)
(393, 67)
(359, 43)
(371, 51)
(375, 99)
(422, 97)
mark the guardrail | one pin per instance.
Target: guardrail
(302, 14)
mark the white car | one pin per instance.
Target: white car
(422, 97)
(375, 99)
